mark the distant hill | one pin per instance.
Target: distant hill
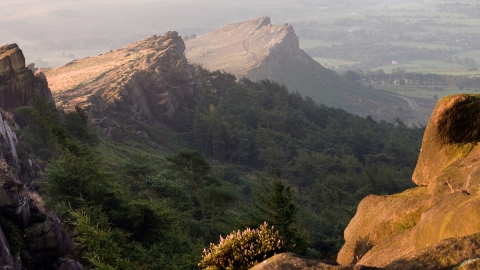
(257, 50)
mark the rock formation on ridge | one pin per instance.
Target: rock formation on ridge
(256, 49)
(148, 79)
(30, 237)
(18, 84)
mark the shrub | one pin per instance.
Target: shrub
(243, 249)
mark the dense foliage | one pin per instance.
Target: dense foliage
(244, 153)
(332, 159)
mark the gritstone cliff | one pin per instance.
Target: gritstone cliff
(433, 226)
(149, 79)
(437, 224)
(256, 49)
(18, 84)
(30, 237)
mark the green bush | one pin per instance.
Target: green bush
(243, 249)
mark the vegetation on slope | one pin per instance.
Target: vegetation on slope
(152, 205)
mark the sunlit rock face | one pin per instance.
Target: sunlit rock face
(436, 225)
(242, 48)
(149, 79)
(18, 84)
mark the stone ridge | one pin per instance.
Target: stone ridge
(240, 47)
(436, 225)
(258, 50)
(148, 79)
(19, 84)
(30, 237)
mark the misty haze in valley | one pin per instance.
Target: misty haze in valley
(57, 32)
(220, 135)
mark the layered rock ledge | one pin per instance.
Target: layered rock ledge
(18, 84)
(148, 79)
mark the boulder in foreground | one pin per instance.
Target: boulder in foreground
(436, 225)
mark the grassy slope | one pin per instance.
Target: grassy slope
(327, 87)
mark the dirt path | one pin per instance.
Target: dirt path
(412, 104)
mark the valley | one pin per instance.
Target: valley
(207, 135)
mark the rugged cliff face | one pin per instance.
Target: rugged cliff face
(256, 49)
(18, 84)
(149, 79)
(30, 237)
(436, 225)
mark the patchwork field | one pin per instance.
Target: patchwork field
(404, 28)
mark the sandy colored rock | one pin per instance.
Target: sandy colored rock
(148, 79)
(257, 50)
(450, 143)
(437, 225)
(451, 216)
(456, 253)
(290, 261)
(379, 218)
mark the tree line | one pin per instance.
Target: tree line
(227, 162)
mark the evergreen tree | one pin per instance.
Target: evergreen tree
(278, 208)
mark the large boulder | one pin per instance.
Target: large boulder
(148, 80)
(18, 84)
(441, 217)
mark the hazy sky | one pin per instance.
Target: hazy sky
(56, 31)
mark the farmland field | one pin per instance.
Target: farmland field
(413, 33)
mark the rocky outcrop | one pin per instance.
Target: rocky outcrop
(256, 49)
(32, 232)
(290, 261)
(111, 130)
(30, 237)
(436, 225)
(149, 79)
(18, 84)
(241, 48)
(47, 241)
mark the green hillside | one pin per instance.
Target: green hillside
(156, 203)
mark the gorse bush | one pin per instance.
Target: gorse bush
(243, 249)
